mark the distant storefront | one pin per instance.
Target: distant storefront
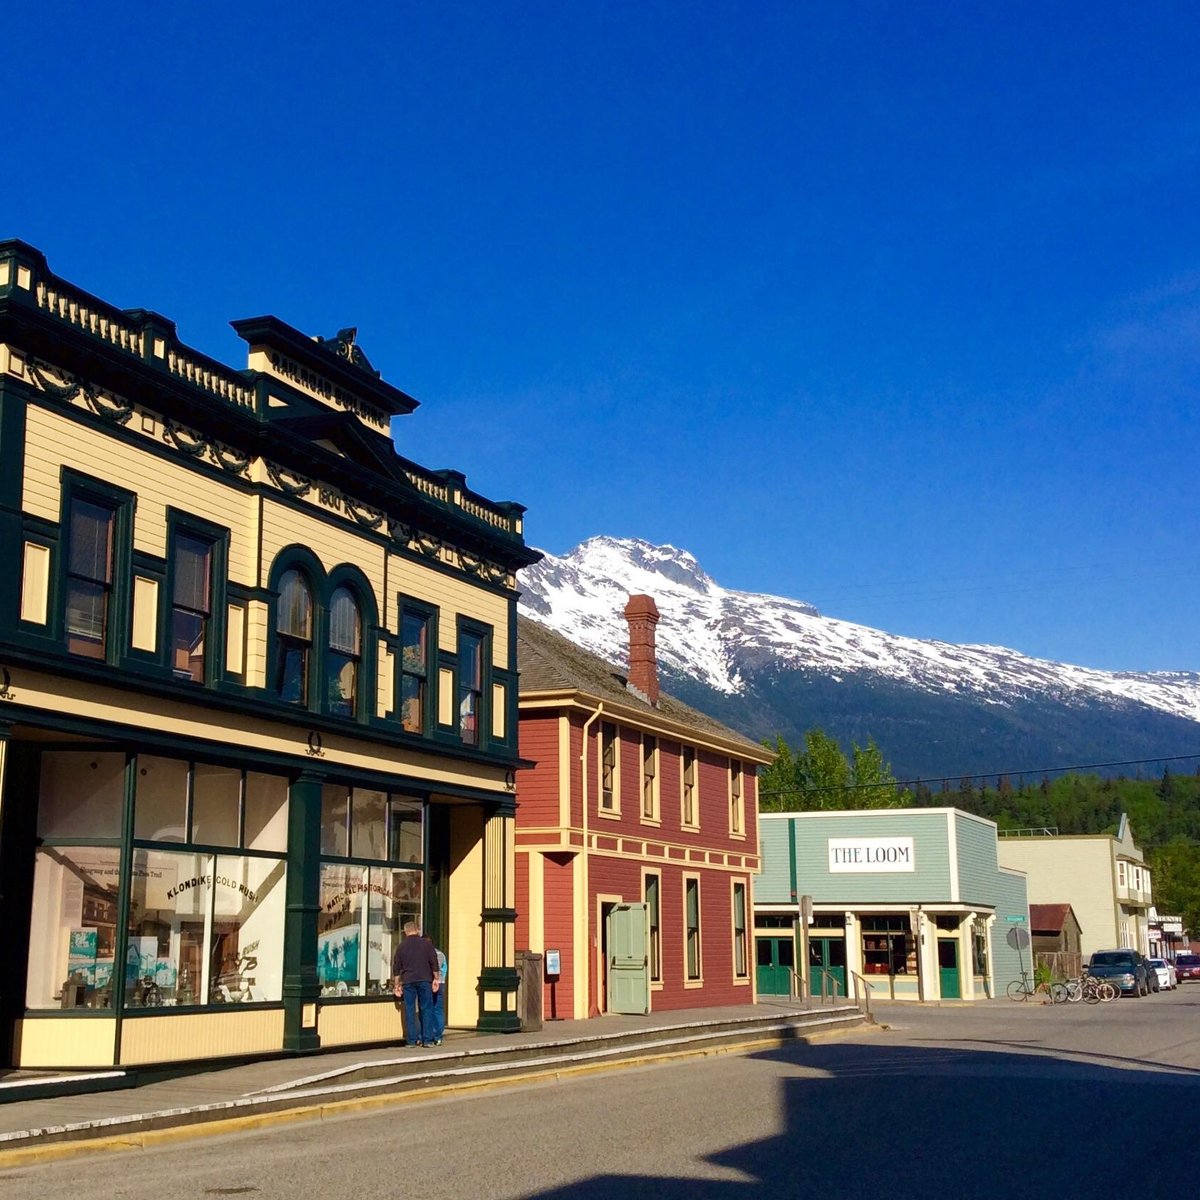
(909, 903)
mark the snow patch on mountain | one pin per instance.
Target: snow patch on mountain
(720, 636)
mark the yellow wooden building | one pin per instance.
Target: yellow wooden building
(257, 694)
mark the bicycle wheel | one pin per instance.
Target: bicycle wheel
(1074, 991)
(1109, 991)
(1017, 990)
(1059, 993)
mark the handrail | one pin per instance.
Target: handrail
(828, 977)
(863, 989)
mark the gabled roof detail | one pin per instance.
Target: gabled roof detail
(551, 663)
(345, 346)
(1049, 918)
(350, 437)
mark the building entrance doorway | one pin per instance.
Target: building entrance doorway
(827, 960)
(948, 974)
(776, 961)
(628, 964)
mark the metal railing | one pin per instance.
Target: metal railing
(831, 989)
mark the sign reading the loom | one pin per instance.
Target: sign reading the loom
(871, 855)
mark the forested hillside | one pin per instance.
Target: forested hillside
(1163, 809)
(1164, 814)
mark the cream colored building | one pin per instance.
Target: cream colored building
(1103, 878)
(257, 694)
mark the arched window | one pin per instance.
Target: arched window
(345, 652)
(293, 632)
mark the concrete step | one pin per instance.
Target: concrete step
(459, 1065)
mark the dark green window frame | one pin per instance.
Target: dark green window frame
(473, 683)
(180, 606)
(321, 660)
(416, 688)
(82, 489)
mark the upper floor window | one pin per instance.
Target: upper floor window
(345, 652)
(1121, 873)
(414, 669)
(90, 541)
(737, 803)
(688, 787)
(470, 685)
(608, 766)
(649, 777)
(294, 632)
(191, 605)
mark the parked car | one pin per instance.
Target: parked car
(1126, 968)
(1187, 966)
(1165, 972)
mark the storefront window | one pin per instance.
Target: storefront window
(204, 926)
(266, 812)
(162, 793)
(406, 832)
(82, 794)
(364, 904)
(73, 928)
(216, 803)
(888, 946)
(363, 910)
(368, 830)
(979, 948)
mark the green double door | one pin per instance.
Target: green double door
(826, 960)
(776, 960)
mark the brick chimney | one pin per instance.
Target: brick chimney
(642, 614)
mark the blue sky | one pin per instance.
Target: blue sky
(894, 308)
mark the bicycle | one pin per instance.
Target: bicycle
(1022, 989)
(1098, 991)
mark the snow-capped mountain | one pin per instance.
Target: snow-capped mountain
(767, 664)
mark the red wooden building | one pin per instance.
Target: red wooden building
(635, 800)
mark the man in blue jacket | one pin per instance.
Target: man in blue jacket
(414, 969)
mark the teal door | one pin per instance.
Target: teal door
(951, 988)
(776, 958)
(827, 960)
(627, 959)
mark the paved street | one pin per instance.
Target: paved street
(995, 1100)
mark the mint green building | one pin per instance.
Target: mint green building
(910, 903)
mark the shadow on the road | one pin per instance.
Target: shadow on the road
(899, 1121)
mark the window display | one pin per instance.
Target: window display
(364, 904)
(73, 927)
(363, 910)
(206, 906)
(888, 946)
(204, 928)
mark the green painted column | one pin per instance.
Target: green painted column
(300, 985)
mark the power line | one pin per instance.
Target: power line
(944, 779)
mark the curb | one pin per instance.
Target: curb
(150, 1139)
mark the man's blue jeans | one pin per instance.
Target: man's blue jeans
(419, 994)
(439, 1013)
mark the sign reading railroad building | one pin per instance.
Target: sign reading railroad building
(871, 855)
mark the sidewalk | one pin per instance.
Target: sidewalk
(313, 1085)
